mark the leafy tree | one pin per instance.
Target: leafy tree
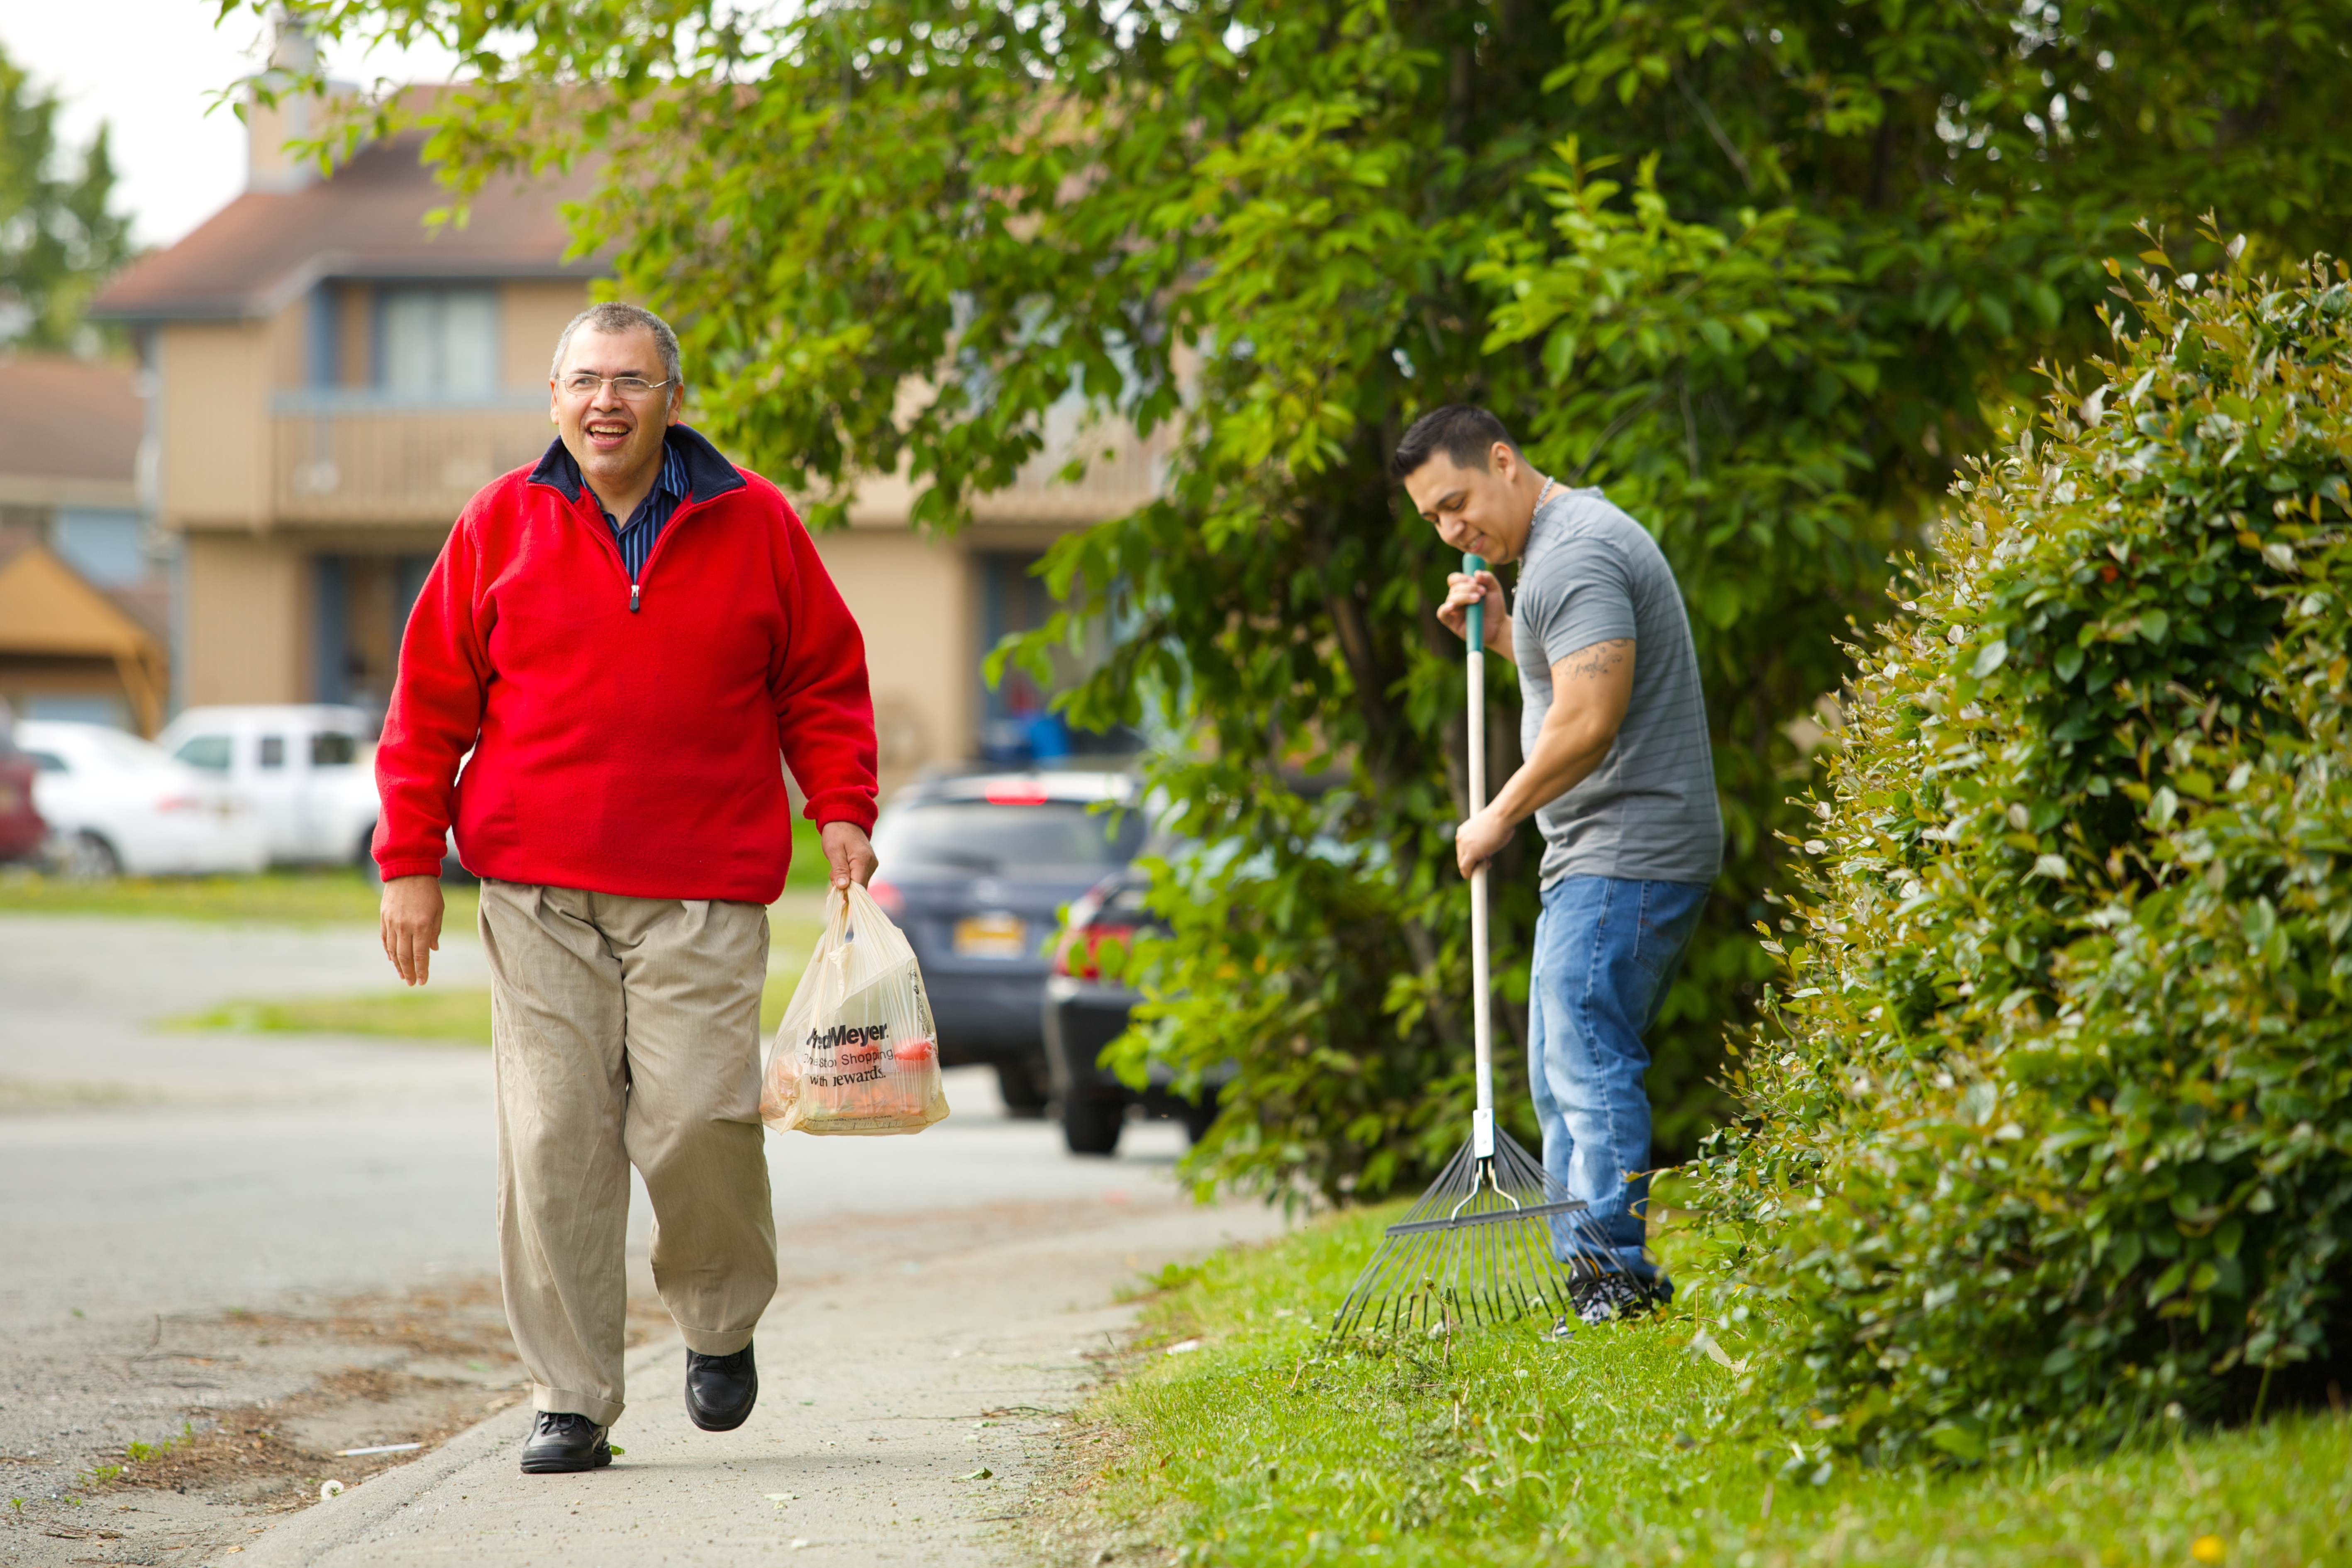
(58, 239)
(2048, 1133)
(1757, 270)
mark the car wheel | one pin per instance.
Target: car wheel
(1092, 1126)
(1023, 1085)
(87, 857)
(369, 872)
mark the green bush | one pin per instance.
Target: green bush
(2052, 1130)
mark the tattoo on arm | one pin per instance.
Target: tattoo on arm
(1600, 658)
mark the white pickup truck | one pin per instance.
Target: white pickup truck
(309, 771)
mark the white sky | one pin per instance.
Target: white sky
(147, 67)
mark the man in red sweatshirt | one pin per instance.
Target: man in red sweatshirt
(625, 639)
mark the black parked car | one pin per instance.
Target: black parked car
(976, 870)
(1084, 1012)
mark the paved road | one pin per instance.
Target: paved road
(150, 1174)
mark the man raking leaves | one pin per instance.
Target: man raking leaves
(1619, 778)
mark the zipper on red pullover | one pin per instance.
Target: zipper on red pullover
(637, 586)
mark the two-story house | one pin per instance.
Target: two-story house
(334, 378)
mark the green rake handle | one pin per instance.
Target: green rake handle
(1482, 1122)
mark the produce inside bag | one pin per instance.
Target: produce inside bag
(856, 1052)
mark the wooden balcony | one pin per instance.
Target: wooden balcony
(354, 462)
(351, 460)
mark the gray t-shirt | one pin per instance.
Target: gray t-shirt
(1592, 574)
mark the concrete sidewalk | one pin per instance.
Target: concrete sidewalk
(883, 1391)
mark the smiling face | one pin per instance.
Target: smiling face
(1481, 511)
(616, 440)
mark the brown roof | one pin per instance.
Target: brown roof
(50, 612)
(48, 608)
(149, 603)
(73, 420)
(366, 221)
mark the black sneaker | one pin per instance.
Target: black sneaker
(1606, 1297)
(561, 1442)
(721, 1389)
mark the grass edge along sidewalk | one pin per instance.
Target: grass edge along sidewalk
(1232, 1440)
(322, 896)
(308, 896)
(449, 1014)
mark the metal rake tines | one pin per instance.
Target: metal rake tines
(1479, 1247)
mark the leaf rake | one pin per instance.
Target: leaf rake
(1481, 1245)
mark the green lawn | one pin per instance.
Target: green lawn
(336, 895)
(1618, 1446)
(459, 1014)
(330, 896)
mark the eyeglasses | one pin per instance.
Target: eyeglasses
(629, 386)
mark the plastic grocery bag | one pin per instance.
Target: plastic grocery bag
(856, 1052)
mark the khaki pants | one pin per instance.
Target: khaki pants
(626, 1031)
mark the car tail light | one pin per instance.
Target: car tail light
(893, 901)
(1023, 793)
(1075, 955)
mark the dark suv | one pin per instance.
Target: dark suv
(976, 870)
(1084, 1012)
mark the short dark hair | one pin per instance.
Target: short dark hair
(1461, 431)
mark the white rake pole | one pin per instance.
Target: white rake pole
(1482, 1122)
(1477, 1246)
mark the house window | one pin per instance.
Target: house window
(1017, 727)
(438, 342)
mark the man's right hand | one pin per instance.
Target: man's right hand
(411, 924)
(1462, 590)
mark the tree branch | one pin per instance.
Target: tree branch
(1714, 129)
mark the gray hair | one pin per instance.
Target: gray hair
(615, 316)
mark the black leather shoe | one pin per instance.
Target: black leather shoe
(721, 1389)
(561, 1442)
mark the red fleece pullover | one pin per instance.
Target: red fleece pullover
(625, 737)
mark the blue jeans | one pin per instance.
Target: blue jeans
(1605, 953)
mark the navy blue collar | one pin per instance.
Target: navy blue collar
(707, 473)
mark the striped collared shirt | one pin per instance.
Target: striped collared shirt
(637, 536)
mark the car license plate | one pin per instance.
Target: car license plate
(991, 936)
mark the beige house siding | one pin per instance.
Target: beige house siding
(246, 620)
(913, 601)
(216, 445)
(531, 316)
(286, 336)
(355, 315)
